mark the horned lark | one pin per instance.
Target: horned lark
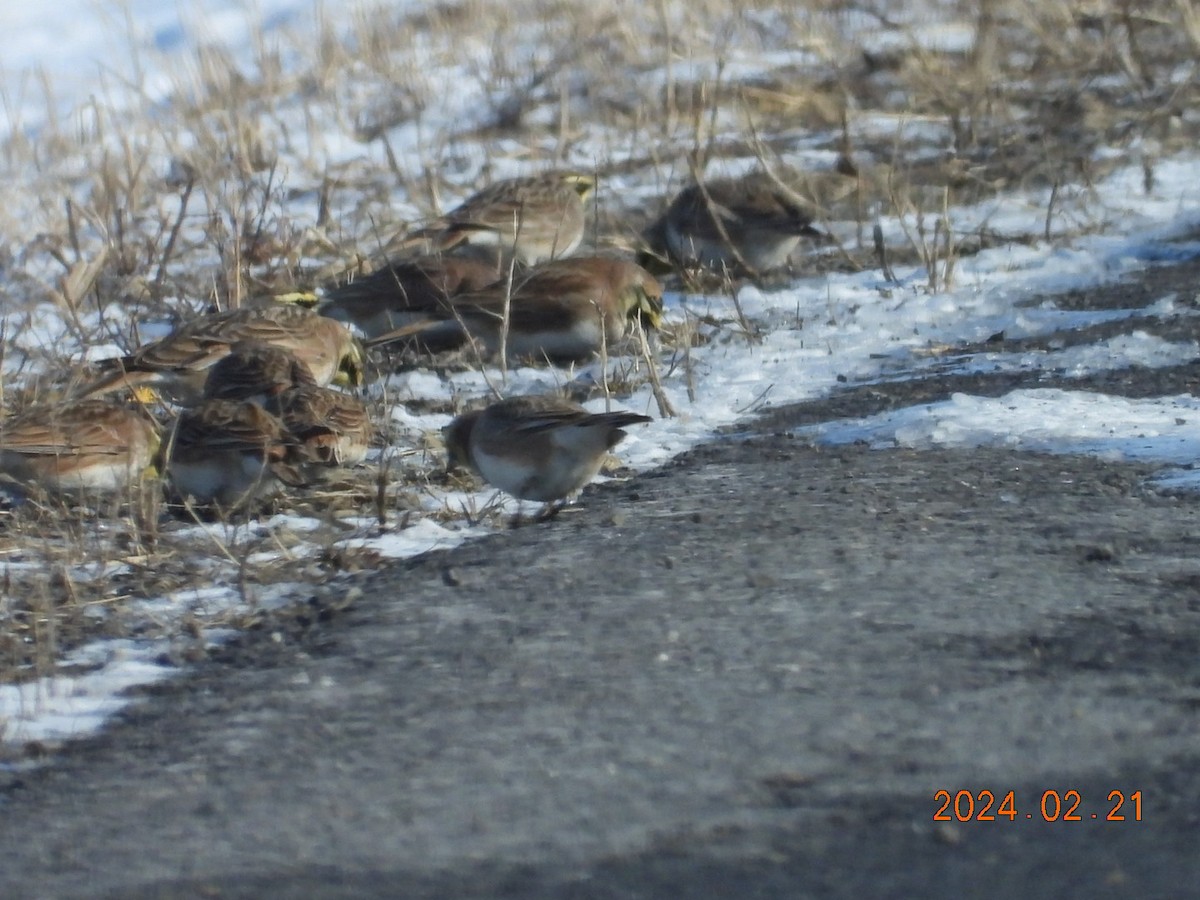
(334, 427)
(80, 446)
(530, 219)
(564, 310)
(228, 453)
(735, 224)
(394, 294)
(178, 364)
(256, 372)
(536, 448)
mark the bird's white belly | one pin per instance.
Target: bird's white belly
(551, 479)
(101, 475)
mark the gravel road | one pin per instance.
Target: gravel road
(746, 674)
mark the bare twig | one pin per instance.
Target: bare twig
(174, 235)
(665, 409)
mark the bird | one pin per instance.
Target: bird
(565, 310)
(256, 372)
(178, 363)
(530, 219)
(333, 427)
(392, 295)
(733, 224)
(96, 445)
(226, 453)
(540, 448)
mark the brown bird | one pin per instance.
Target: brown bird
(742, 223)
(559, 311)
(536, 448)
(530, 219)
(335, 428)
(256, 372)
(80, 446)
(391, 296)
(178, 363)
(227, 454)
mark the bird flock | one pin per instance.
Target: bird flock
(258, 394)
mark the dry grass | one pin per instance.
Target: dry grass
(243, 182)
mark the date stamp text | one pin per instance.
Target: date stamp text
(1052, 806)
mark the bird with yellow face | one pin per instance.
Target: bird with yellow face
(562, 311)
(177, 365)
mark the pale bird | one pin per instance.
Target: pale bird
(536, 448)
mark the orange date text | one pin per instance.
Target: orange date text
(1051, 806)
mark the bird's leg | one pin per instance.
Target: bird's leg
(551, 509)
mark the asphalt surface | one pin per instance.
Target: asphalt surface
(747, 674)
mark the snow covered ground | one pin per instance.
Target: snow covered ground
(819, 332)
